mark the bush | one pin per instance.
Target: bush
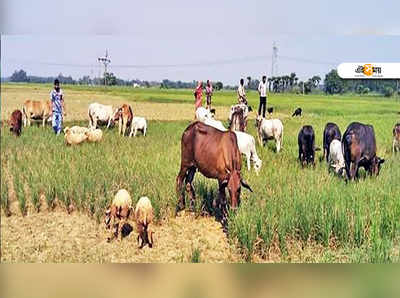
(365, 90)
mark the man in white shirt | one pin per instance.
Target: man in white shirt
(262, 90)
(241, 93)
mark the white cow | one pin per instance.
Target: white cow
(138, 123)
(99, 112)
(247, 146)
(336, 159)
(270, 129)
(202, 114)
(215, 123)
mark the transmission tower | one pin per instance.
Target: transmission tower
(105, 60)
(274, 62)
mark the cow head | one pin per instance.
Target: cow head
(257, 166)
(376, 163)
(259, 119)
(234, 184)
(117, 115)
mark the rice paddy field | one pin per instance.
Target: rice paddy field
(53, 197)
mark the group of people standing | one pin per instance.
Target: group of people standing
(241, 93)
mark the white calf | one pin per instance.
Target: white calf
(336, 159)
(247, 146)
(202, 114)
(215, 123)
(98, 112)
(138, 123)
(270, 129)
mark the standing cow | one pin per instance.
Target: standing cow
(16, 122)
(359, 149)
(36, 110)
(306, 141)
(216, 155)
(331, 132)
(396, 138)
(124, 116)
(269, 129)
(238, 117)
(100, 113)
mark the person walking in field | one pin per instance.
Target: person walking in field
(209, 92)
(241, 93)
(198, 95)
(262, 91)
(58, 108)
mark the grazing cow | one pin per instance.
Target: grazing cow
(306, 141)
(396, 138)
(331, 132)
(270, 110)
(247, 146)
(202, 114)
(359, 149)
(73, 138)
(297, 112)
(36, 110)
(215, 123)
(271, 129)
(238, 117)
(216, 155)
(335, 158)
(15, 122)
(99, 113)
(138, 123)
(124, 116)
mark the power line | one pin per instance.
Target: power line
(236, 60)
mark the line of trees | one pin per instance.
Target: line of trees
(333, 84)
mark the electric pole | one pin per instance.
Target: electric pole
(105, 62)
(274, 62)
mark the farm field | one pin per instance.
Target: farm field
(57, 195)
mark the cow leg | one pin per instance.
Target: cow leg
(144, 131)
(190, 188)
(248, 161)
(222, 204)
(278, 144)
(135, 132)
(353, 169)
(124, 126)
(181, 196)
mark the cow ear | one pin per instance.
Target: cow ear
(381, 160)
(245, 185)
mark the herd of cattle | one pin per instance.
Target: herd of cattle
(215, 151)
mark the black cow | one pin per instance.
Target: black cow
(359, 149)
(297, 112)
(331, 132)
(306, 140)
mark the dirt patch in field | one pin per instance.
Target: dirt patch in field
(59, 237)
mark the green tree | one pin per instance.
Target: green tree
(333, 83)
(219, 85)
(19, 76)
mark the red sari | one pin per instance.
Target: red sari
(198, 94)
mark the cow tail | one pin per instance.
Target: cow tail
(130, 110)
(90, 119)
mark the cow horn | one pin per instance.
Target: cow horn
(244, 183)
(228, 171)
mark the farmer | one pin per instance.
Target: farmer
(209, 92)
(241, 93)
(58, 109)
(262, 91)
(198, 95)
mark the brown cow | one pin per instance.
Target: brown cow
(16, 122)
(36, 110)
(216, 155)
(396, 138)
(124, 117)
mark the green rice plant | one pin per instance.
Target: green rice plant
(20, 193)
(195, 257)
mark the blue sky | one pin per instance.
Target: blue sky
(187, 40)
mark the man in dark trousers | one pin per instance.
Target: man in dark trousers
(262, 90)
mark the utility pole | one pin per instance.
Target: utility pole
(105, 62)
(274, 62)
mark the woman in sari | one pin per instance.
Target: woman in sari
(198, 95)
